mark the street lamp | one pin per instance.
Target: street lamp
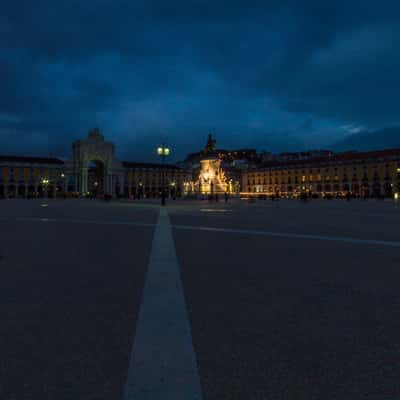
(163, 151)
(173, 186)
(64, 184)
(45, 183)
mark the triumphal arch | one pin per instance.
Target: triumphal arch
(94, 165)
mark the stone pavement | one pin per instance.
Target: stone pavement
(282, 300)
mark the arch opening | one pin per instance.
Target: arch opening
(95, 184)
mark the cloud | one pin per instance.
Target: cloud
(276, 75)
(352, 128)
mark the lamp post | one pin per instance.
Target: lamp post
(45, 183)
(64, 184)
(173, 185)
(163, 151)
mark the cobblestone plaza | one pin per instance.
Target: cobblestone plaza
(252, 300)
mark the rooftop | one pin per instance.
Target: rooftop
(346, 156)
(129, 164)
(30, 159)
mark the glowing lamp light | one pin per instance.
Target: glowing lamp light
(62, 175)
(163, 151)
(396, 196)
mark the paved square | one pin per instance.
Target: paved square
(283, 300)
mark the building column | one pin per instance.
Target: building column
(122, 185)
(113, 185)
(105, 183)
(78, 181)
(84, 177)
(108, 185)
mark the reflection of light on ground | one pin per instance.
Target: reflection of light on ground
(44, 205)
(214, 210)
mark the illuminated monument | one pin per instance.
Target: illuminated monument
(212, 179)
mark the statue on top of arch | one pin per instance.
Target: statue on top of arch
(210, 146)
(96, 134)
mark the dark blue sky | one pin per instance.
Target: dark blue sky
(276, 75)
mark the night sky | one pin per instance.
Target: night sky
(275, 75)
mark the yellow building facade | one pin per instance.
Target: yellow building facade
(40, 177)
(35, 176)
(92, 170)
(147, 180)
(361, 174)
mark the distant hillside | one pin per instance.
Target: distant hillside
(376, 140)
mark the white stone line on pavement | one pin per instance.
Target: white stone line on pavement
(163, 362)
(292, 235)
(77, 221)
(344, 239)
